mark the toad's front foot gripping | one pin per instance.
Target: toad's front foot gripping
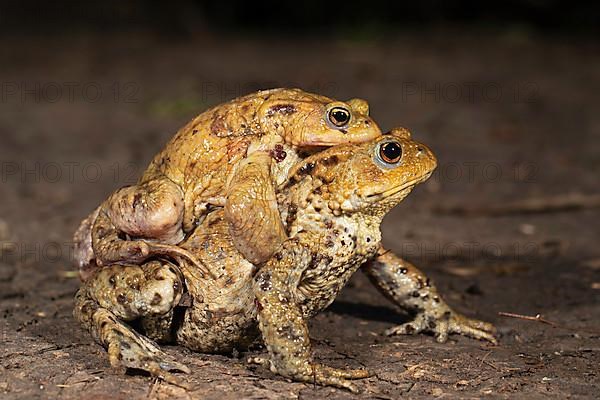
(285, 331)
(119, 294)
(409, 288)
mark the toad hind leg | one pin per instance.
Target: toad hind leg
(134, 293)
(153, 210)
(285, 331)
(83, 251)
(251, 209)
(411, 290)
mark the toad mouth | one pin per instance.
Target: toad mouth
(400, 188)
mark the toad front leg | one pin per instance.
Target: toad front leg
(410, 289)
(251, 209)
(284, 329)
(124, 293)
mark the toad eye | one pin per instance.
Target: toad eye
(339, 116)
(389, 153)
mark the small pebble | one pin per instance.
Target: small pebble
(527, 229)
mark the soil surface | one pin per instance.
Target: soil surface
(508, 224)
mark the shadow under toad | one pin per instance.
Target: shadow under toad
(369, 312)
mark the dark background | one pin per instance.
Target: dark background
(505, 93)
(307, 18)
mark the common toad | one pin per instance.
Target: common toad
(332, 203)
(230, 156)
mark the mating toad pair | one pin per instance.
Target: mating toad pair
(248, 223)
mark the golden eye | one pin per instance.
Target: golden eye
(339, 116)
(390, 152)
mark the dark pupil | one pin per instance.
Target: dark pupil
(340, 117)
(391, 152)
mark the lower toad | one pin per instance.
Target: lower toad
(332, 204)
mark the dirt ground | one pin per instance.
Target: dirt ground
(509, 223)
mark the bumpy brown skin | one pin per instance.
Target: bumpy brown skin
(232, 155)
(333, 204)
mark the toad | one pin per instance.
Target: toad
(332, 206)
(230, 156)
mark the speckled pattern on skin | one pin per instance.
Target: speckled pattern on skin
(232, 155)
(333, 204)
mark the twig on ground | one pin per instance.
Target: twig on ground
(153, 388)
(483, 360)
(539, 318)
